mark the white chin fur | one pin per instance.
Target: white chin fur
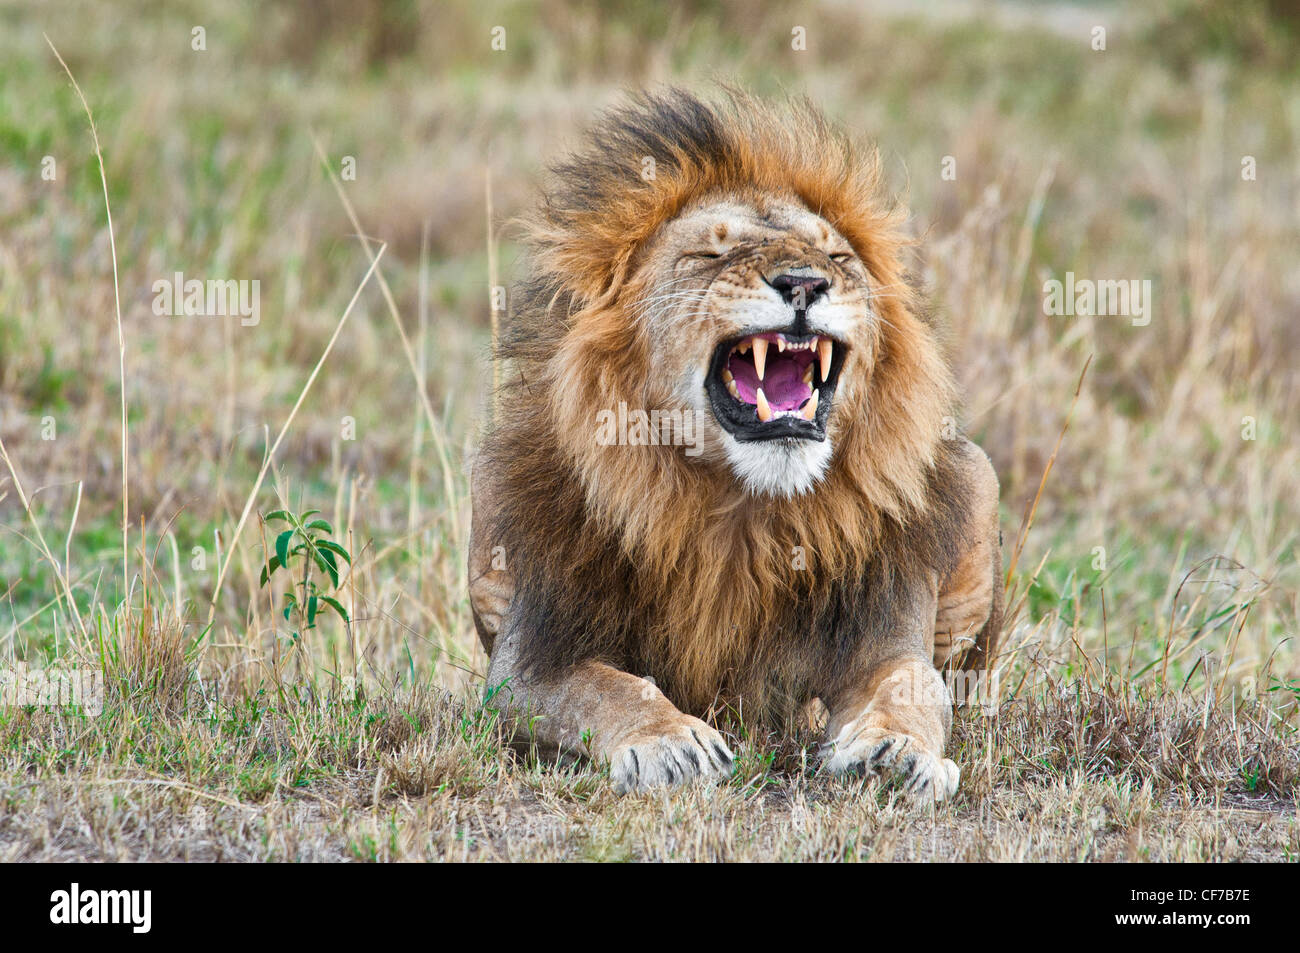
(778, 467)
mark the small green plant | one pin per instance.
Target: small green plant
(302, 551)
(1289, 687)
(1287, 706)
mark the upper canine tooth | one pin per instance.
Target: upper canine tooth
(824, 351)
(764, 411)
(760, 356)
(810, 408)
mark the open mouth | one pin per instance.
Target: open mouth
(771, 385)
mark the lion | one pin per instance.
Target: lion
(814, 526)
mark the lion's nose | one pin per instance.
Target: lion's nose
(799, 290)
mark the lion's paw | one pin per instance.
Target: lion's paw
(923, 776)
(688, 751)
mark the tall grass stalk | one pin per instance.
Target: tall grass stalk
(121, 338)
(270, 455)
(435, 424)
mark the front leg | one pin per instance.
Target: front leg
(890, 711)
(896, 723)
(611, 716)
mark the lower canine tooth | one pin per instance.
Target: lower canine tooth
(810, 408)
(764, 411)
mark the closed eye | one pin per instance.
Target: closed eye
(703, 254)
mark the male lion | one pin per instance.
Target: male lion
(814, 528)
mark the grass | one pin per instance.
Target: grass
(1147, 697)
(1071, 773)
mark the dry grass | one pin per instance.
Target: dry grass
(1148, 693)
(1070, 776)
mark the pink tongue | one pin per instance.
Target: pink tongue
(783, 384)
